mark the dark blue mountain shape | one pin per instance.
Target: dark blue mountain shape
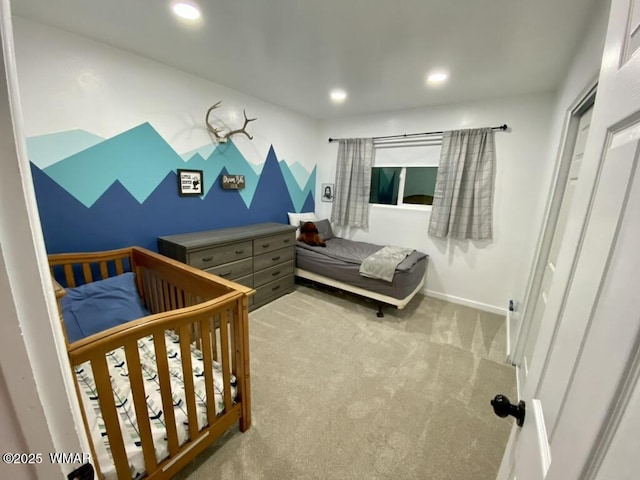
(309, 204)
(61, 216)
(117, 220)
(271, 202)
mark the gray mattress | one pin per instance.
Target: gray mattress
(340, 260)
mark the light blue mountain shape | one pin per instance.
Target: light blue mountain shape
(300, 173)
(139, 158)
(257, 168)
(227, 155)
(45, 150)
(310, 186)
(204, 151)
(296, 193)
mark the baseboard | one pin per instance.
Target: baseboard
(466, 302)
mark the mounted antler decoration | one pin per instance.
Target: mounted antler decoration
(217, 132)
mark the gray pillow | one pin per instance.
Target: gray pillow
(324, 229)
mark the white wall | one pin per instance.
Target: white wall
(480, 274)
(70, 82)
(581, 73)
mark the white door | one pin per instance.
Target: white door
(580, 143)
(583, 391)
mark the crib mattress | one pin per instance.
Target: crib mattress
(116, 362)
(340, 260)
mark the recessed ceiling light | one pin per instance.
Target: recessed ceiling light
(437, 78)
(186, 10)
(338, 95)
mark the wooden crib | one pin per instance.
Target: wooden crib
(203, 310)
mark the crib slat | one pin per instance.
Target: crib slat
(140, 403)
(208, 369)
(165, 390)
(180, 296)
(149, 289)
(215, 330)
(166, 296)
(86, 270)
(69, 276)
(234, 342)
(244, 368)
(172, 297)
(104, 271)
(92, 447)
(187, 376)
(224, 350)
(156, 293)
(119, 266)
(140, 283)
(110, 415)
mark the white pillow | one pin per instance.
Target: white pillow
(296, 218)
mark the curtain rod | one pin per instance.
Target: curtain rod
(407, 135)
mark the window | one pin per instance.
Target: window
(417, 188)
(404, 175)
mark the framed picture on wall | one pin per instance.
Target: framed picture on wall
(190, 182)
(327, 192)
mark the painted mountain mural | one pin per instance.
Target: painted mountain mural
(123, 191)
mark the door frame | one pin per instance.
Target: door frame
(584, 100)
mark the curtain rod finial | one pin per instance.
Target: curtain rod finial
(503, 126)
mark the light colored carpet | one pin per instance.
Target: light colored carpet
(341, 394)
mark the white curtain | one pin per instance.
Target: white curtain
(353, 182)
(463, 198)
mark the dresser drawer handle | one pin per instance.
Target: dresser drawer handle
(287, 240)
(225, 274)
(275, 288)
(275, 273)
(265, 245)
(275, 258)
(207, 259)
(238, 252)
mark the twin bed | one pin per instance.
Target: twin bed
(171, 375)
(338, 265)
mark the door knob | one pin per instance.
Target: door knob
(503, 408)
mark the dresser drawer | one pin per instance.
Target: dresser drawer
(266, 260)
(247, 280)
(274, 289)
(269, 244)
(233, 270)
(210, 257)
(273, 273)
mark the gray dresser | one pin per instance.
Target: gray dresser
(260, 256)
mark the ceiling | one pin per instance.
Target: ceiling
(293, 52)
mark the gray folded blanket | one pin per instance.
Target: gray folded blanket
(382, 264)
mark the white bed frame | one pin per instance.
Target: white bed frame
(399, 303)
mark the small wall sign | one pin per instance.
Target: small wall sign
(190, 182)
(232, 182)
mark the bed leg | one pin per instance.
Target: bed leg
(380, 314)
